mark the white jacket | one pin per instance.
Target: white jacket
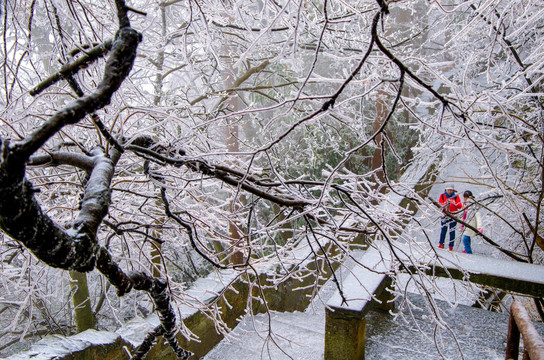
(473, 218)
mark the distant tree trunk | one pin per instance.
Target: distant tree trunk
(233, 145)
(83, 313)
(381, 115)
(159, 61)
(156, 255)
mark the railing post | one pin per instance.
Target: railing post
(512, 340)
(344, 336)
(532, 342)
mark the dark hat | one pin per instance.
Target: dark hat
(468, 194)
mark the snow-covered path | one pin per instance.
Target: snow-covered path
(465, 332)
(413, 334)
(459, 170)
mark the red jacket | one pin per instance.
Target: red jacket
(454, 202)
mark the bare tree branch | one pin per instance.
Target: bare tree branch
(73, 67)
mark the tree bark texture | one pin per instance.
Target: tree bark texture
(76, 248)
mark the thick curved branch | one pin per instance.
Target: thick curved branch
(116, 70)
(57, 158)
(96, 199)
(23, 219)
(21, 215)
(224, 174)
(155, 287)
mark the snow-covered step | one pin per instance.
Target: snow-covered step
(277, 336)
(479, 334)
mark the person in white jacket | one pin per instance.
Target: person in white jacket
(472, 217)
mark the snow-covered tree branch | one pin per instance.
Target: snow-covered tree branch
(159, 141)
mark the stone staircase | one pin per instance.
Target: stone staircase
(413, 334)
(278, 336)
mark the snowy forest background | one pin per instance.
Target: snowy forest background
(246, 129)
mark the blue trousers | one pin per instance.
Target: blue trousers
(466, 243)
(448, 223)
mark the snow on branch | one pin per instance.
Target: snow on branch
(117, 68)
(76, 248)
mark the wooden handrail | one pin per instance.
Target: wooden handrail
(520, 324)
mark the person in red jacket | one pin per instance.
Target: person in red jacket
(449, 201)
